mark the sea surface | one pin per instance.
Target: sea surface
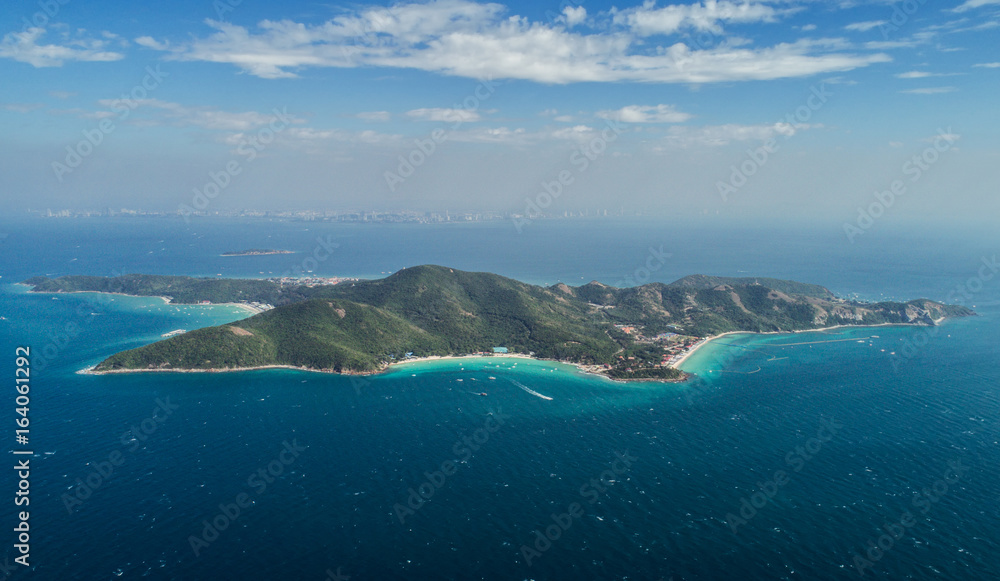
(831, 453)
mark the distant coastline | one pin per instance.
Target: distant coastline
(166, 300)
(256, 252)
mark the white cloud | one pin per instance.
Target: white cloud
(463, 38)
(554, 114)
(923, 75)
(150, 42)
(521, 137)
(930, 91)
(972, 4)
(988, 65)
(498, 135)
(178, 115)
(703, 16)
(309, 133)
(21, 107)
(719, 135)
(574, 15)
(865, 26)
(808, 28)
(575, 133)
(374, 116)
(23, 47)
(646, 114)
(950, 137)
(445, 115)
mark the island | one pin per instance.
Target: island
(362, 327)
(256, 252)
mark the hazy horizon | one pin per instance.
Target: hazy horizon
(752, 110)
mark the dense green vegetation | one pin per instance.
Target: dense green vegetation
(701, 281)
(181, 289)
(319, 334)
(433, 310)
(640, 361)
(477, 311)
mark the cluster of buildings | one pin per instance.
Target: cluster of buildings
(675, 346)
(674, 353)
(310, 281)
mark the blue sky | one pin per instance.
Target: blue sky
(170, 95)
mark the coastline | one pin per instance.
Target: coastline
(706, 340)
(166, 301)
(91, 370)
(583, 368)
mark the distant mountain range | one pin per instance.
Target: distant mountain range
(362, 326)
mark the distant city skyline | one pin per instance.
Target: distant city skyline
(344, 215)
(761, 108)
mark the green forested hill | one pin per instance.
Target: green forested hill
(476, 311)
(423, 310)
(181, 289)
(321, 334)
(435, 310)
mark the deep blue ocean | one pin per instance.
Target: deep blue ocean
(817, 455)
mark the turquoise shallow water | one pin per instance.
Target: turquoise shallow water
(515, 459)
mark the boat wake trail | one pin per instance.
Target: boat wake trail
(529, 390)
